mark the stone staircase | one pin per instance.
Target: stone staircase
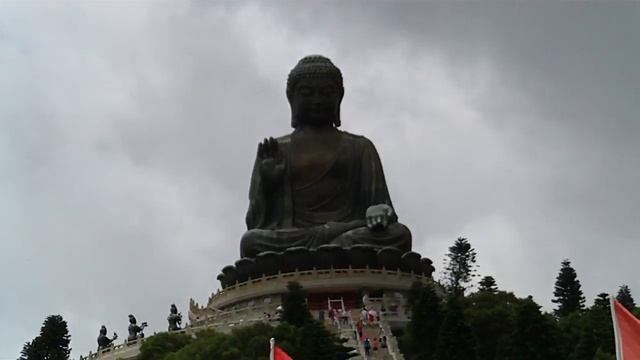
(371, 331)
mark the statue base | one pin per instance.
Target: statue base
(252, 289)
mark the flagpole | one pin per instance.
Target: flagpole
(272, 343)
(616, 328)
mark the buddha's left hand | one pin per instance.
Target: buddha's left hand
(378, 216)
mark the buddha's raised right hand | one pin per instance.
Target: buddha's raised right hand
(271, 165)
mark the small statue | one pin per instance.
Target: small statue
(174, 318)
(103, 340)
(135, 331)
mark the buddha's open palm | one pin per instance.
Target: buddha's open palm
(271, 165)
(378, 216)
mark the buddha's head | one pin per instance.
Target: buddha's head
(174, 309)
(132, 319)
(315, 91)
(103, 330)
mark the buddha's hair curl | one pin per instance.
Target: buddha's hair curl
(314, 66)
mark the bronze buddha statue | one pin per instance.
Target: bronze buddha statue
(319, 185)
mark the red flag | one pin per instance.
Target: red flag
(627, 330)
(277, 353)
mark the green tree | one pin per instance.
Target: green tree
(208, 344)
(294, 304)
(598, 318)
(455, 340)
(601, 355)
(460, 267)
(491, 318)
(567, 292)
(535, 335)
(51, 344)
(310, 342)
(32, 350)
(161, 344)
(254, 340)
(488, 283)
(602, 302)
(317, 343)
(587, 346)
(625, 298)
(571, 328)
(419, 340)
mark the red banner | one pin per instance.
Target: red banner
(627, 330)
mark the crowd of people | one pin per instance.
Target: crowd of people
(371, 318)
(368, 329)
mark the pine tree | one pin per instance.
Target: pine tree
(294, 305)
(460, 267)
(602, 302)
(419, 341)
(568, 293)
(598, 318)
(625, 298)
(455, 340)
(32, 350)
(488, 283)
(51, 344)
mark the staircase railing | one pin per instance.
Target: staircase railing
(392, 342)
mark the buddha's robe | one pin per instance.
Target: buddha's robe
(322, 198)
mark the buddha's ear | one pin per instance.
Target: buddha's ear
(337, 121)
(294, 120)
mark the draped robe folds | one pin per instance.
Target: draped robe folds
(327, 207)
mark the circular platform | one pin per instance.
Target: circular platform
(255, 297)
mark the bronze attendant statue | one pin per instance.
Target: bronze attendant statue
(103, 340)
(174, 318)
(135, 331)
(319, 185)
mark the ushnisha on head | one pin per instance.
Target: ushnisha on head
(132, 319)
(103, 330)
(311, 69)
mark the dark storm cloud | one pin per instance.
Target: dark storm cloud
(128, 132)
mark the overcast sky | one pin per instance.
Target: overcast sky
(128, 131)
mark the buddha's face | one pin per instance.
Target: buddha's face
(316, 101)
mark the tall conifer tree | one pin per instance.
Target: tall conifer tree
(51, 344)
(625, 298)
(568, 292)
(488, 283)
(460, 267)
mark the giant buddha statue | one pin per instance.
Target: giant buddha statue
(319, 185)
